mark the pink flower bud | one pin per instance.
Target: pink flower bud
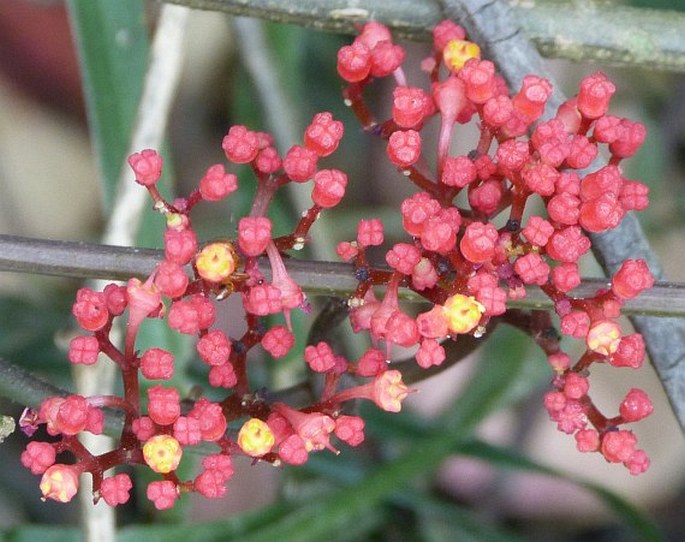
(532, 269)
(179, 245)
(410, 106)
(370, 232)
(187, 431)
(210, 484)
(630, 352)
(323, 134)
(171, 279)
(587, 440)
(354, 62)
(430, 353)
(163, 494)
(386, 57)
(575, 386)
(222, 376)
(404, 148)
(538, 231)
(143, 427)
(320, 358)
(147, 166)
(618, 446)
(478, 243)
(278, 341)
(115, 489)
(350, 429)
(636, 405)
(372, 363)
(212, 421)
(300, 163)
(90, 309)
(214, 347)
(632, 278)
(329, 187)
(164, 405)
(293, 450)
(594, 95)
(38, 456)
(217, 184)
(240, 145)
(83, 349)
(254, 233)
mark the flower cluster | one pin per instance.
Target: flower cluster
(469, 260)
(160, 422)
(457, 258)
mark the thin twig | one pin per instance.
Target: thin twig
(27, 389)
(82, 260)
(579, 31)
(159, 89)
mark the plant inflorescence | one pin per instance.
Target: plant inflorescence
(481, 227)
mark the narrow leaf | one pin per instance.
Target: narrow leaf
(643, 527)
(112, 44)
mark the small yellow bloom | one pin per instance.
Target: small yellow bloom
(162, 453)
(59, 483)
(604, 337)
(457, 52)
(462, 312)
(216, 262)
(389, 391)
(255, 438)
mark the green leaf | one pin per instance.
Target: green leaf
(227, 529)
(44, 533)
(28, 330)
(642, 526)
(112, 43)
(442, 520)
(507, 341)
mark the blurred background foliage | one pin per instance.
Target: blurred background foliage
(471, 458)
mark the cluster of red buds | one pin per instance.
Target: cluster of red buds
(457, 259)
(466, 265)
(183, 289)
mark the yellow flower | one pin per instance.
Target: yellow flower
(162, 453)
(255, 438)
(59, 483)
(457, 52)
(216, 262)
(389, 391)
(604, 337)
(462, 312)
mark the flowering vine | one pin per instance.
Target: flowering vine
(476, 236)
